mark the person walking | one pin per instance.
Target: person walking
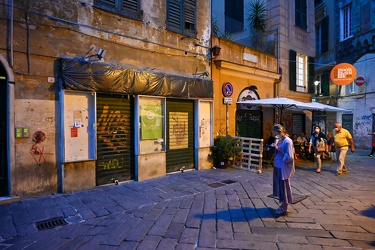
(284, 168)
(342, 139)
(318, 142)
(373, 145)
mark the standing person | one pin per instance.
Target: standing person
(317, 139)
(284, 168)
(342, 139)
(373, 145)
(331, 145)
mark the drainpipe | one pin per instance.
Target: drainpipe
(10, 38)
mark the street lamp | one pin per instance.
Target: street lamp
(316, 83)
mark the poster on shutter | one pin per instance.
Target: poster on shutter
(178, 131)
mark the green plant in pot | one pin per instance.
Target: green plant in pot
(224, 149)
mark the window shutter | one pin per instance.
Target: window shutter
(174, 15)
(131, 7)
(325, 83)
(292, 70)
(311, 76)
(106, 4)
(189, 16)
(325, 27)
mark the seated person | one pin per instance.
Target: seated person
(294, 138)
(302, 139)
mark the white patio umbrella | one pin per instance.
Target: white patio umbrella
(324, 107)
(282, 103)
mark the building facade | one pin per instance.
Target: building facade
(345, 33)
(289, 35)
(96, 92)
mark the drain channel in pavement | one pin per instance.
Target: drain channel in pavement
(50, 223)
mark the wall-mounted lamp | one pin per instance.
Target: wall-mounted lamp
(215, 50)
(99, 55)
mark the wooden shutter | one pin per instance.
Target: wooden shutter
(174, 15)
(292, 70)
(189, 16)
(311, 75)
(130, 7)
(106, 4)
(325, 83)
(324, 38)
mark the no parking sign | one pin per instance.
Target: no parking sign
(227, 89)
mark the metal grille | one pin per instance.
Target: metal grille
(51, 223)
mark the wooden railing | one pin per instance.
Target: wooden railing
(251, 155)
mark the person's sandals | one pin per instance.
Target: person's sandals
(281, 211)
(318, 170)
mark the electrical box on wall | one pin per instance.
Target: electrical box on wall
(22, 133)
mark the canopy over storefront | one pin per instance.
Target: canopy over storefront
(95, 76)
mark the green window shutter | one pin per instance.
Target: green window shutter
(130, 7)
(292, 70)
(189, 16)
(106, 4)
(311, 75)
(325, 27)
(174, 15)
(325, 83)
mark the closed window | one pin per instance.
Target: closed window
(346, 22)
(301, 72)
(321, 36)
(181, 16)
(301, 14)
(234, 15)
(129, 8)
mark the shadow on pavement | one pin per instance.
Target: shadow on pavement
(239, 215)
(370, 212)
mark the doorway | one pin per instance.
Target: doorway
(4, 161)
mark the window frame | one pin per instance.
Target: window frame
(234, 16)
(301, 73)
(128, 8)
(181, 16)
(301, 14)
(346, 22)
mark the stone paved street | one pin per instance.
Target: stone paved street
(208, 209)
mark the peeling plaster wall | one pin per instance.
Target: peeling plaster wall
(45, 31)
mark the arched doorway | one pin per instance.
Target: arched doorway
(6, 134)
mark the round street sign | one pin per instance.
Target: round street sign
(343, 74)
(360, 81)
(227, 89)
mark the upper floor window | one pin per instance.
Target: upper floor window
(301, 14)
(321, 36)
(346, 22)
(301, 72)
(129, 8)
(181, 16)
(234, 16)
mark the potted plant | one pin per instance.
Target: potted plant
(224, 149)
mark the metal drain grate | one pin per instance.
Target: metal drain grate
(50, 223)
(228, 181)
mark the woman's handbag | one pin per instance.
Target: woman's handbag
(320, 145)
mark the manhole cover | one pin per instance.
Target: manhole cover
(216, 184)
(228, 181)
(50, 223)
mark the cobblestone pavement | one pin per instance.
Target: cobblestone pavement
(207, 209)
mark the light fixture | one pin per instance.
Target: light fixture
(215, 50)
(99, 55)
(316, 83)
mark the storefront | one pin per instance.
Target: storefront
(121, 123)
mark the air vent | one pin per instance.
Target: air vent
(50, 223)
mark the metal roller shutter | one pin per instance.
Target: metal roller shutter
(180, 135)
(115, 138)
